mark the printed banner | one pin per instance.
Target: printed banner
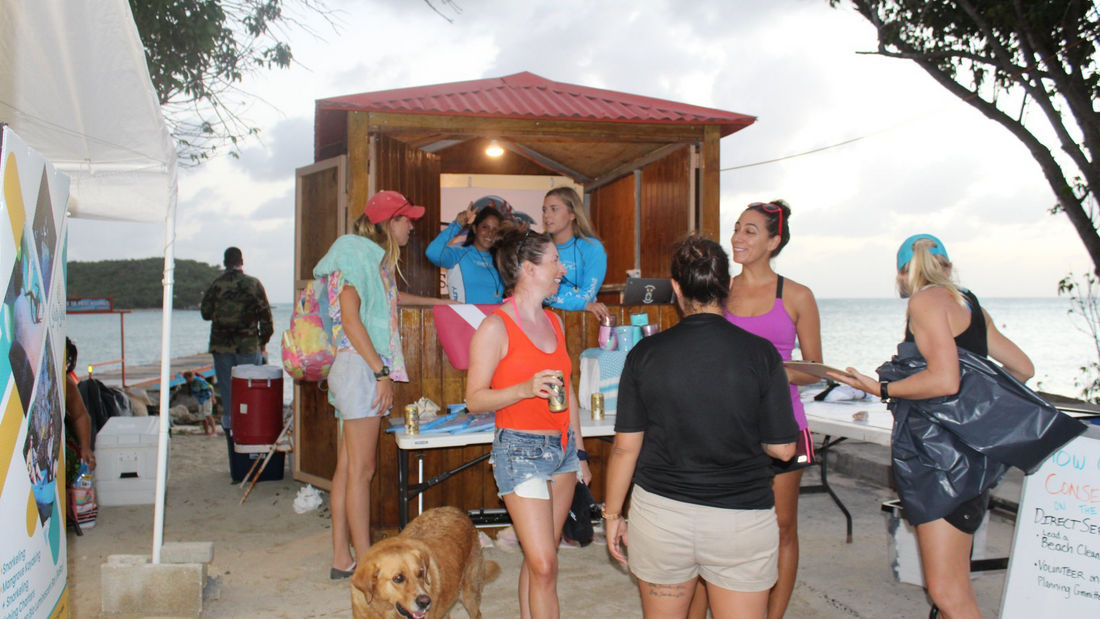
(33, 564)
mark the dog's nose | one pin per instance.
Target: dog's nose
(423, 601)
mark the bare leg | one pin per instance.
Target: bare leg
(361, 448)
(786, 487)
(538, 524)
(945, 555)
(337, 503)
(666, 601)
(698, 608)
(727, 604)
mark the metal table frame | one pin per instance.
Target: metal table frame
(419, 443)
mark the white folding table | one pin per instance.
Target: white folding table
(407, 443)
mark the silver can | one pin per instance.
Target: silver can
(556, 400)
(597, 406)
(412, 419)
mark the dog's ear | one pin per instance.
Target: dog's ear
(426, 565)
(365, 579)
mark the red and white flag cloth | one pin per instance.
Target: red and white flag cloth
(455, 326)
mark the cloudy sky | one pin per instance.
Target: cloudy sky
(929, 164)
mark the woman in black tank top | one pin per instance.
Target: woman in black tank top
(942, 316)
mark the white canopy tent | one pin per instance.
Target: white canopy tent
(74, 85)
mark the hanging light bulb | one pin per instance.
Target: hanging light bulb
(494, 149)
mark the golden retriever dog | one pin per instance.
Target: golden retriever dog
(420, 573)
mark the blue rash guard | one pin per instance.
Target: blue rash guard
(585, 262)
(472, 275)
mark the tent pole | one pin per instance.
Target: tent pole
(165, 366)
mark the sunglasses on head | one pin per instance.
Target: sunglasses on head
(768, 207)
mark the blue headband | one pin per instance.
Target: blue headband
(905, 252)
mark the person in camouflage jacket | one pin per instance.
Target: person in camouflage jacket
(236, 304)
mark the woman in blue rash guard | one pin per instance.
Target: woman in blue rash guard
(581, 253)
(472, 276)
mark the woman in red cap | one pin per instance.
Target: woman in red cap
(360, 272)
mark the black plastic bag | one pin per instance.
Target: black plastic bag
(950, 449)
(578, 524)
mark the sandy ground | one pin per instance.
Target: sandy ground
(272, 562)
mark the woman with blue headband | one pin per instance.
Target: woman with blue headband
(941, 318)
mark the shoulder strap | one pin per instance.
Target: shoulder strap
(779, 287)
(554, 322)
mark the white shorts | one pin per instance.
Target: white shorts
(353, 387)
(206, 408)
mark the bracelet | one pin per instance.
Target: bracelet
(582, 455)
(607, 516)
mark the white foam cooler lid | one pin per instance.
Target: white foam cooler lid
(258, 372)
(128, 431)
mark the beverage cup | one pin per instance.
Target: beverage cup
(625, 334)
(608, 341)
(639, 320)
(636, 334)
(649, 330)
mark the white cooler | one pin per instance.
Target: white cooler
(126, 461)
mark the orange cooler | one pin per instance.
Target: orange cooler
(257, 409)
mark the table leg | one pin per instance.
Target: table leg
(403, 497)
(823, 467)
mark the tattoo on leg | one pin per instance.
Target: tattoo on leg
(668, 591)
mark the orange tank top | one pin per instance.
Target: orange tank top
(519, 364)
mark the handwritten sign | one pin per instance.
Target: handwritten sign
(1054, 569)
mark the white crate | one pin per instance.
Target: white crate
(126, 461)
(903, 552)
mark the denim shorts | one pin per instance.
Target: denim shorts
(524, 462)
(353, 387)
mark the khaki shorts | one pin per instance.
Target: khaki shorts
(673, 542)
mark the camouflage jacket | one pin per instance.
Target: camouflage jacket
(237, 305)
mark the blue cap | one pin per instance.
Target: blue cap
(905, 252)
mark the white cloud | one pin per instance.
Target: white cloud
(792, 63)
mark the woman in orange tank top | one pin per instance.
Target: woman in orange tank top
(515, 358)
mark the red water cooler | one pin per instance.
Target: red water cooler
(257, 408)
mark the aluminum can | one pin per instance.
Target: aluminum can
(412, 419)
(597, 406)
(557, 401)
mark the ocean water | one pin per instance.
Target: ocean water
(861, 333)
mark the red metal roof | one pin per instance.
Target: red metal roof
(526, 95)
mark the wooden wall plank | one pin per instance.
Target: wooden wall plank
(710, 207)
(666, 203)
(612, 210)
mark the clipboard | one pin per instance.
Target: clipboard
(813, 368)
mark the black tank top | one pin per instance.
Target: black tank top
(974, 337)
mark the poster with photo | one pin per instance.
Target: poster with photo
(33, 196)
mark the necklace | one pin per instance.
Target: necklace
(576, 265)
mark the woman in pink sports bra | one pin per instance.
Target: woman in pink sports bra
(779, 310)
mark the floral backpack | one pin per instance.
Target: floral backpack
(308, 352)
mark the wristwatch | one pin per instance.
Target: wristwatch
(884, 391)
(383, 373)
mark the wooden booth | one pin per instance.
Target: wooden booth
(649, 173)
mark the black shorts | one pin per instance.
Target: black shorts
(804, 455)
(968, 516)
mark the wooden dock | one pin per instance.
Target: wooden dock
(148, 376)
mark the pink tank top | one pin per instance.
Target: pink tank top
(777, 327)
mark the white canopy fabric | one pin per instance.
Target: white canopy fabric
(74, 85)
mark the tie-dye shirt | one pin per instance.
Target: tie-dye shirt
(396, 362)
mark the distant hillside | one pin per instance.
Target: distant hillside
(136, 284)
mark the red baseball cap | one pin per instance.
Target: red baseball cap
(389, 204)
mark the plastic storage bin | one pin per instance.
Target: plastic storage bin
(241, 463)
(257, 408)
(904, 552)
(126, 457)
